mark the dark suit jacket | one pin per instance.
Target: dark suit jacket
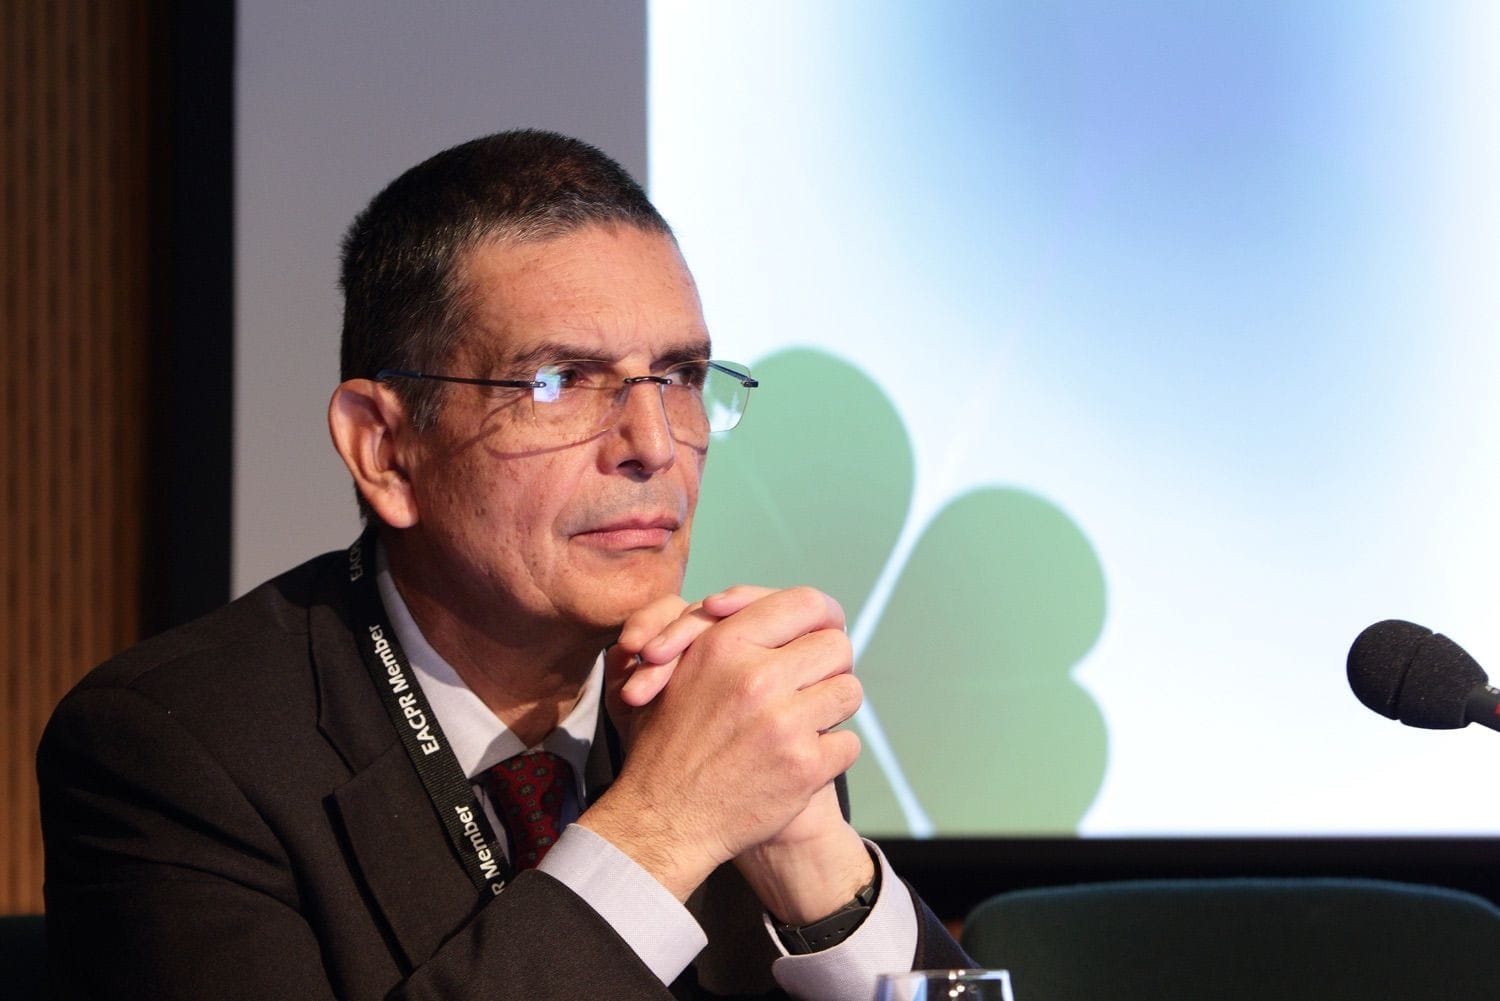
(228, 813)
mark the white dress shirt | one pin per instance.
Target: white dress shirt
(652, 922)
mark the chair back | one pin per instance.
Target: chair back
(1233, 939)
(23, 957)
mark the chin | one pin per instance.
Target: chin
(603, 618)
(621, 595)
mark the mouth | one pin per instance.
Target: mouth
(626, 534)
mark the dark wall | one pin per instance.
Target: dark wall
(185, 570)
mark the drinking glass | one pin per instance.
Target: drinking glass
(944, 985)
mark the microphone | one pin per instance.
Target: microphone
(1409, 673)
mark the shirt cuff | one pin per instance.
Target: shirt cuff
(640, 910)
(885, 942)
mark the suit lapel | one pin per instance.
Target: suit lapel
(397, 849)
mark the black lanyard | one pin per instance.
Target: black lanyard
(426, 745)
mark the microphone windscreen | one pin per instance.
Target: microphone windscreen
(1378, 662)
(1438, 685)
(1409, 673)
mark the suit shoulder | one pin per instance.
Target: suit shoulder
(267, 625)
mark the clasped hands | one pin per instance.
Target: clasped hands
(727, 707)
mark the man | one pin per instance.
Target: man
(357, 781)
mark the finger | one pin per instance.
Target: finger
(657, 655)
(621, 668)
(632, 681)
(779, 617)
(677, 635)
(618, 663)
(829, 703)
(646, 682)
(731, 600)
(656, 659)
(649, 620)
(840, 749)
(815, 657)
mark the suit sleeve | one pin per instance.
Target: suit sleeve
(936, 949)
(165, 881)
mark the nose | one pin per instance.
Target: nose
(642, 442)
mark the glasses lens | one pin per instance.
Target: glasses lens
(552, 379)
(725, 395)
(577, 399)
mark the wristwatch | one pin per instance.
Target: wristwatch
(825, 933)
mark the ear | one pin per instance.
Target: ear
(369, 429)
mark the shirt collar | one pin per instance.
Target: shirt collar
(478, 738)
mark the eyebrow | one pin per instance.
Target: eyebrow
(696, 351)
(554, 350)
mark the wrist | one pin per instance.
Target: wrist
(649, 839)
(829, 931)
(808, 880)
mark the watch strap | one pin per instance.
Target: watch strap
(825, 933)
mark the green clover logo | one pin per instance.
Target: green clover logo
(972, 723)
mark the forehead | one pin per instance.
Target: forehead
(613, 292)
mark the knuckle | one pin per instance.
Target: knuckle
(818, 605)
(755, 687)
(802, 763)
(846, 747)
(808, 599)
(650, 619)
(851, 694)
(830, 650)
(713, 645)
(840, 647)
(634, 634)
(663, 609)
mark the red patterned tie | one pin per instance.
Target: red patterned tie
(527, 791)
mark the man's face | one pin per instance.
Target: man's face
(567, 531)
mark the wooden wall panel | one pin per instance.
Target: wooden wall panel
(74, 160)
